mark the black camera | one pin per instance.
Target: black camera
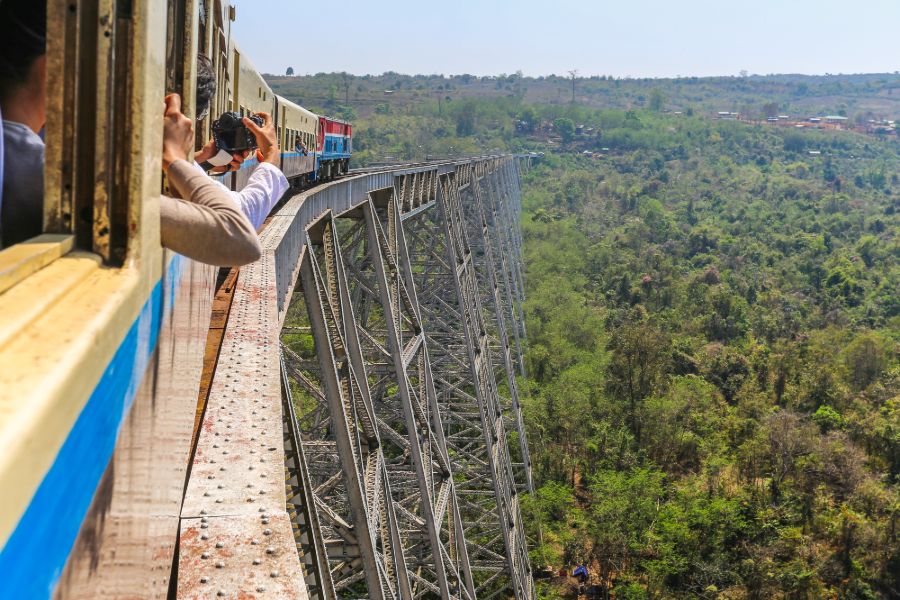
(231, 135)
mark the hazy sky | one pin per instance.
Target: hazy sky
(637, 38)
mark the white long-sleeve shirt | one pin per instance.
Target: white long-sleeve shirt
(266, 186)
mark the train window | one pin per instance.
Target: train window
(89, 124)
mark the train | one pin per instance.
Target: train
(102, 331)
(313, 147)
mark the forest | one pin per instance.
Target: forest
(713, 391)
(713, 363)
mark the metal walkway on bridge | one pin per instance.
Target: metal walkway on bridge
(363, 437)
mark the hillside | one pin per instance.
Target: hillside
(713, 397)
(856, 96)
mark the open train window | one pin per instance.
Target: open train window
(89, 92)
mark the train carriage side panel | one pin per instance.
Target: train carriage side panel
(252, 95)
(101, 358)
(297, 131)
(334, 147)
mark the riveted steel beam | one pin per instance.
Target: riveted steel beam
(397, 297)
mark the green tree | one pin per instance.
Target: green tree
(640, 358)
(657, 100)
(565, 128)
(465, 118)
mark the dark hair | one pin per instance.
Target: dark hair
(206, 83)
(23, 40)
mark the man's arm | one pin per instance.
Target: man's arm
(266, 186)
(205, 226)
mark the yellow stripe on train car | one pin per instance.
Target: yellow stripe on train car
(51, 366)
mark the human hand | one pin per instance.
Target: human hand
(178, 132)
(266, 138)
(209, 150)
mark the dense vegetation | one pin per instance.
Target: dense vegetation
(713, 390)
(713, 398)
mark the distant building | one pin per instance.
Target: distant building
(727, 116)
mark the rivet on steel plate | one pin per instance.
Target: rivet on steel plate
(204, 580)
(267, 532)
(270, 550)
(256, 561)
(220, 565)
(205, 555)
(260, 588)
(254, 541)
(204, 525)
(274, 573)
(220, 544)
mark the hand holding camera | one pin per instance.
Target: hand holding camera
(235, 137)
(266, 137)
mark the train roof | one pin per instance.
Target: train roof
(297, 107)
(336, 120)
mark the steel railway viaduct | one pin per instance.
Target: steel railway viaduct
(362, 435)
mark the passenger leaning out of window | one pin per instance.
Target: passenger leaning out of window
(266, 184)
(203, 224)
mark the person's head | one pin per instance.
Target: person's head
(206, 85)
(23, 59)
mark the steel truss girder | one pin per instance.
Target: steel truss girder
(398, 464)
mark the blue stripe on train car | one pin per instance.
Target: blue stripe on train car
(36, 553)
